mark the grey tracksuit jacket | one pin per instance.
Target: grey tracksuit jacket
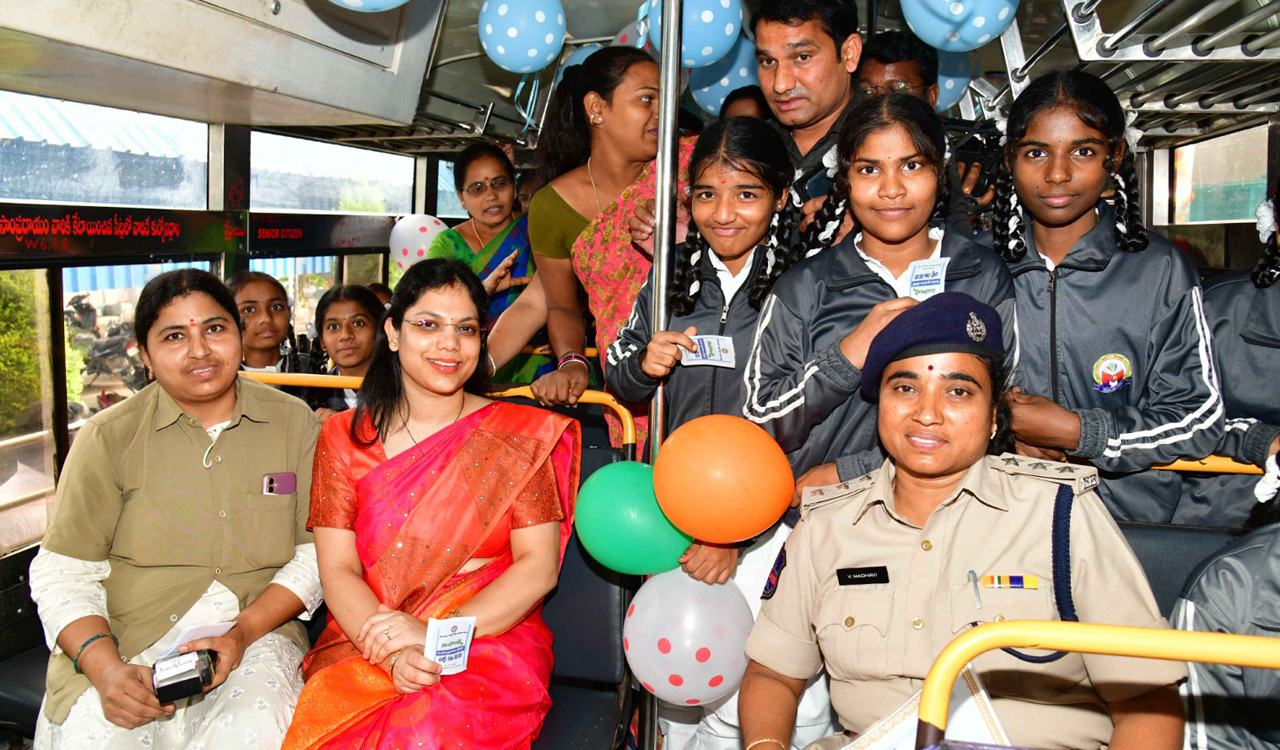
(1122, 340)
(1235, 591)
(801, 389)
(1245, 322)
(696, 391)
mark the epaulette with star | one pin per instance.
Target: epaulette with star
(1083, 478)
(818, 497)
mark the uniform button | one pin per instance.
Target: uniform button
(222, 514)
(173, 618)
(217, 459)
(999, 618)
(926, 545)
(917, 623)
(217, 571)
(848, 621)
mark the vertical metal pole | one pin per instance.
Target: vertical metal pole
(664, 243)
(664, 240)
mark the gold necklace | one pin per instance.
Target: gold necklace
(594, 192)
(405, 421)
(476, 229)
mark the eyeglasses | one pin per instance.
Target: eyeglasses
(481, 187)
(433, 328)
(892, 87)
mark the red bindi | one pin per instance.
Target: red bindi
(930, 368)
(192, 322)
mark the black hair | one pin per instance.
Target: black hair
(1096, 106)
(293, 359)
(750, 93)
(911, 113)
(838, 18)
(689, 123)
(382, 395)
(171, 285)
(476, 151)
(360, 295)
(565, 140)
(1268, 268)
(747, 145)
(378, 287)
(999, 372)
(889, 47)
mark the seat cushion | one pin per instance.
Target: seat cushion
(1169, 554)
(581, 718)
(22, 690)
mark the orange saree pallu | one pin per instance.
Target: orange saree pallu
(418, 518)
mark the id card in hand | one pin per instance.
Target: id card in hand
(928, 277)
(716, 351)
(449, 642)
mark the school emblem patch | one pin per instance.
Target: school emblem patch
(771, 585)
(1111, 373)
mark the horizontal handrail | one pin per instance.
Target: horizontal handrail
(1088, 638)
(312, 380)
(1212, 465)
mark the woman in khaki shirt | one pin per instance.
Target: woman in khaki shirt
(882, 572)
(180, 507)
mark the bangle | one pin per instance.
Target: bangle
(391, 663)
(493, 366)
(572, 357)
(76, 661)
(767, 739)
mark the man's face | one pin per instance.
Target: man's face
(876, 78)
(805, 77)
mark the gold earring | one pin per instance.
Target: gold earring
(994, 430)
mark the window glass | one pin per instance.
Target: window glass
(66, 152)
(363, 269)
(1221, 179)
(306, 280)
(447, 204)
(26, 409)
(293, 174)
(103, 361)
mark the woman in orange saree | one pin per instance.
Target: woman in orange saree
(471, 520)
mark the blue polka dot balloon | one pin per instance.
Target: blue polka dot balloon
(954, 74)
(521, 35)
(710, 28)
(710, 85)
(958, 25)
(577, 57)
(369, 6)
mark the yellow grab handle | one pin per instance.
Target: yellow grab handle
(304, 379)
(589, 397)
(1213, 465)
(1115, 640)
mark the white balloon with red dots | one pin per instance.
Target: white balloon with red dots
(411, 236)
(958, 25)
(712, 84)
(521, 36)
(709, 29)
(686, 641)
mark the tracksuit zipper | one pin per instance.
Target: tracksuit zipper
(715, 374)
(1053, 332)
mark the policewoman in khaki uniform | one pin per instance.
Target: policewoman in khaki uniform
(882, 572)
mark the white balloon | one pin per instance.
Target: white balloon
(411, 236)
(686, 641)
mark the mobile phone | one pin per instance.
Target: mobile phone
(285, 483)
(815, 185)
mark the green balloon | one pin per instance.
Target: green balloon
(621, 525)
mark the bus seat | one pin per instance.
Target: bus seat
(23, 656)
(1169, 554)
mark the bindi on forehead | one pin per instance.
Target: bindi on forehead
(191, 322)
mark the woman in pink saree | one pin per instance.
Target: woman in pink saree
(432, 502)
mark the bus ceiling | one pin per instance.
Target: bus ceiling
(414, 80)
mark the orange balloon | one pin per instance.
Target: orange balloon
(722, 479)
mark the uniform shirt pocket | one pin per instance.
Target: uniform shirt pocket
(269, 529)
(852, 628)
(1001, 671)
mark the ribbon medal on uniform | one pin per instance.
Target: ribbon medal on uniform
(1111, 373)
(1010, 582)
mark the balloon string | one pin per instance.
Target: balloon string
(526, 110)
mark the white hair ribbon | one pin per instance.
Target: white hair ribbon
(1265, 213)
(1269, 485)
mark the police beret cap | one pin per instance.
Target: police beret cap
(944, 323)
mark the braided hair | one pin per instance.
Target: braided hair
(911, 113)
(1268, 269)
(1096, 106)
(748, 145)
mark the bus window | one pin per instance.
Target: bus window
(362, 269)
(66, 152)
(306, 279)
(1220, 180)
(104, 364)
(292, 174)
(447, 204)
(26, 409)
